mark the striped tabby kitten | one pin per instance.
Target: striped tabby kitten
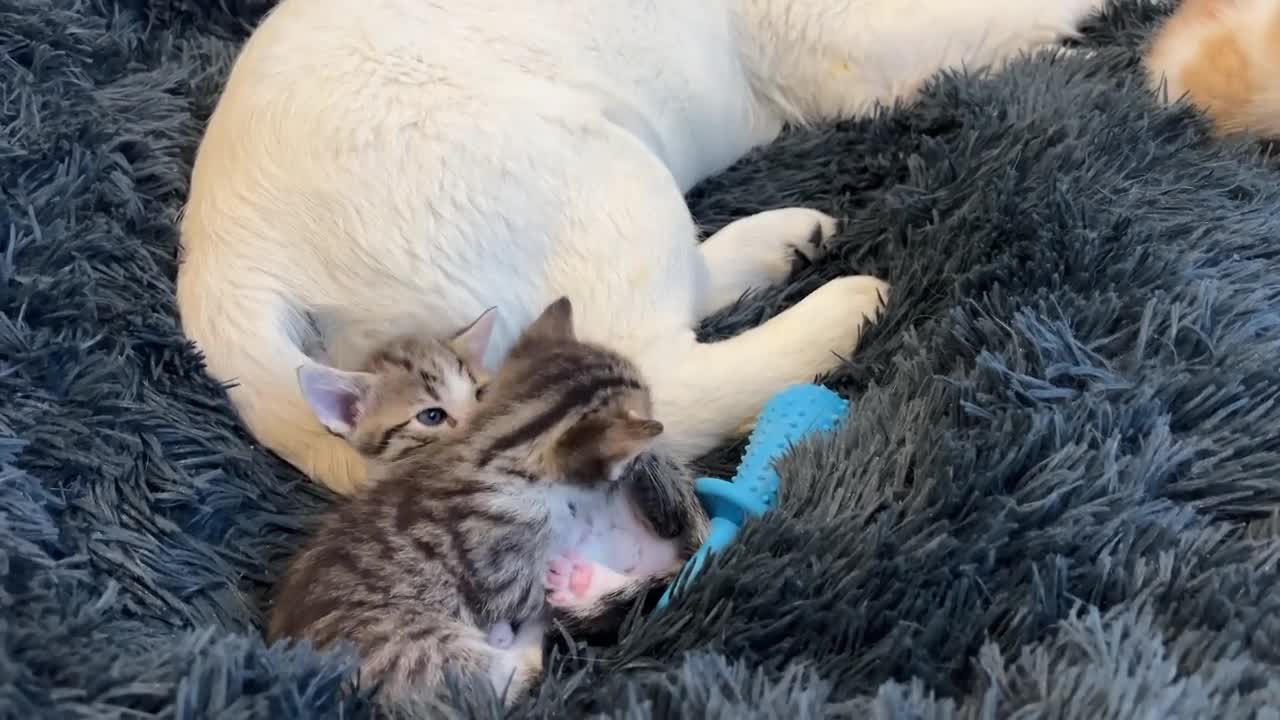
(548, 499)
(407, 393)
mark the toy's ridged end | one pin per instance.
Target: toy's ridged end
(786, 418)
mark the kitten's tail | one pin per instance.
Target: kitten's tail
(252, 339)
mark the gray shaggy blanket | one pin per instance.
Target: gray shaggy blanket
(1056, 495)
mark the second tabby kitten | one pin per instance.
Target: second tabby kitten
(451, 557)
(405, 395)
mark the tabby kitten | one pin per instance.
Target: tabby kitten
(449, 559)
(405, 395)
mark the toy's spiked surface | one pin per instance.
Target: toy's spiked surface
(789, 416)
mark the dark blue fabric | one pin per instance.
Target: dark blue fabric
(1057, 493)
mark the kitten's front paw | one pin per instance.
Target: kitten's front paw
(568, 579)
(573, 580)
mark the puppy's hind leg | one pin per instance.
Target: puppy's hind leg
(831, 59)
(757, 251)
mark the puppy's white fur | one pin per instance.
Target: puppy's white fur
(409, 163)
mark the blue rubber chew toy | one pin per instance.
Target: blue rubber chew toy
(786, 418)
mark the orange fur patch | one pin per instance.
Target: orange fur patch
(1202, 9)
(1272, 40)
(1221, 80)
(1215, 52)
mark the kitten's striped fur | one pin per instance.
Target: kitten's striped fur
(443, 559)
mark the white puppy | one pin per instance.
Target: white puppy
(394, 164)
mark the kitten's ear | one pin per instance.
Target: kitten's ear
(631, 435)
(598, 449)
(555, 323)
(473, 340)
(624, 439)
(334, 396)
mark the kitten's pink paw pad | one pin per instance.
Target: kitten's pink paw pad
(568, 578)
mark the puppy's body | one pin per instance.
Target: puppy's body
(404, 166)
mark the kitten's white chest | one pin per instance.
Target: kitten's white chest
(573, 512)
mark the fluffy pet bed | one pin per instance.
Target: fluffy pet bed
(1056, 496)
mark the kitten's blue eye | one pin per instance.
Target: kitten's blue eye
(432, 416)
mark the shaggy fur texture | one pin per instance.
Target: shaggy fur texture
(1057, 494)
